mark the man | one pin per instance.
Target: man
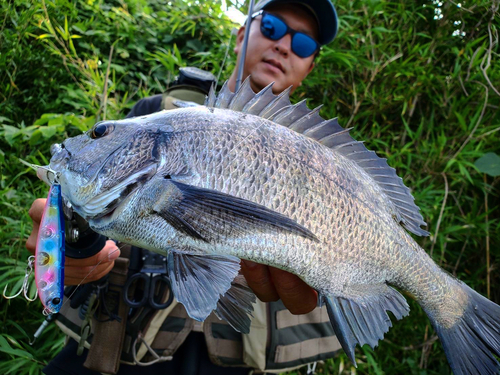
(284, 39)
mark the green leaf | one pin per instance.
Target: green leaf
(489, 163)
(371, 361)
(461, 120)
(195, 44)
(10, 132)
(66, 31)
(3, 342)
(56, 121)
(48, 131)
(46, 117)
(35, 137)
(464, 172)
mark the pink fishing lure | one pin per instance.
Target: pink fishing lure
(49, 256)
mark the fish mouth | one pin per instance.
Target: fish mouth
(104, 204)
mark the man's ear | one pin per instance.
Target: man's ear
(239, 39)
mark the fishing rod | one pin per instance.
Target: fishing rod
(241, 63)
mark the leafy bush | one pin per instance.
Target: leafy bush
(402, 74)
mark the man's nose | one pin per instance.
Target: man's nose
(283, 45)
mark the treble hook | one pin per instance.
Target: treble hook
(25, 288)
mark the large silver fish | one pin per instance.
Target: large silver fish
(250, 176)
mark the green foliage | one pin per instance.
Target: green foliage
(422, 96)
(489, 163)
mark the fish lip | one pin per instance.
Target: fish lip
(55, 148)
(275, 63)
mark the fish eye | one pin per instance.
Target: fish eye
(43, 258)
(100, 130)
(56, 301)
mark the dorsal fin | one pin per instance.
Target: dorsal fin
(280, 101)
(211, 97)
(307, 121)
(260, 100)
(242, 96)
(224, 97)
(329, 133)
(291, 113)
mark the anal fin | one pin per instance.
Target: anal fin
(236, 306)
(359, 316)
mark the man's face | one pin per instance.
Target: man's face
(273, 60)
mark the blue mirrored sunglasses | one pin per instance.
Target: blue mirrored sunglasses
(275, 28)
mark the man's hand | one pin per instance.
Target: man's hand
(270, 284)
(76, 271)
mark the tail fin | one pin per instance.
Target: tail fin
(470, 345)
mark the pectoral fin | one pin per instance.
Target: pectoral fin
(198, 281)
(209, 215)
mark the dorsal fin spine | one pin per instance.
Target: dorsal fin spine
(344, 131)
(296, 125)
(346, 144)
(275, 104)
(211, 97)
(241, 98)
(252, 106)
(224, 96)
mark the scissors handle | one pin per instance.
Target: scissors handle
(163, 283)
(127, 288)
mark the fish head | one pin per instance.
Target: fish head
(100, 167)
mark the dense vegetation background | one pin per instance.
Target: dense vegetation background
(419, 81)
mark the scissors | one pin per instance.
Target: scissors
(148, 286)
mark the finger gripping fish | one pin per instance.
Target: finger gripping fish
(250, 176)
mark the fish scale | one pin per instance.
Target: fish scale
(349, 245)
(254, 177)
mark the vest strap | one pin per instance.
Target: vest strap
(306, 349)
(105, 351)
(167, 342)
(285, 318)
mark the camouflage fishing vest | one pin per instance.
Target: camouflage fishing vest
(278, 341)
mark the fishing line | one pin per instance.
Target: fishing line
(92, 270)
(50, 178)
(241, 64)
(225, 57)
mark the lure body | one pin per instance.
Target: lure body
(49, 256)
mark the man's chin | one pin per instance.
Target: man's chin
(259, 81)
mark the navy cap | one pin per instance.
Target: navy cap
(323, 10)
